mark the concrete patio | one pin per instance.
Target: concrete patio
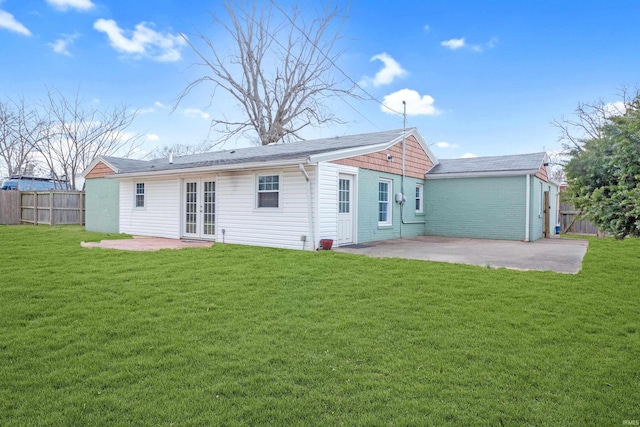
(556, 254)
(139, 243)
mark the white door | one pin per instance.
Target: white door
(199, 217)
(345, 209)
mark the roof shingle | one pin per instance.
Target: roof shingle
(518, 163)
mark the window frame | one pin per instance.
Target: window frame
(341, 191)
(137, 194)
(419, 197)
(389, 211)
(258, 191)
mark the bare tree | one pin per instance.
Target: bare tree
(589, 119)
(21, 129)
(77, 133)
(279, 72)
(180, 150)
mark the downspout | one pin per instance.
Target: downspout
(310, 214)
(404, 133)
(527, 215)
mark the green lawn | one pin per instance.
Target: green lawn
(238, 335)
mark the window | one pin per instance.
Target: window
(344, 199)
(419, 192)
(268, 191)
(384, 202)
(140, 195)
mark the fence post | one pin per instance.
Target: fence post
(80, 208)
(51, 209)
(19, 207)
(35, 208)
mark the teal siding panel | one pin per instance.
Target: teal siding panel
(368, 229)
(486, 208)
(102, 205)
(537, 206)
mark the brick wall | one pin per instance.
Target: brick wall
(416, 160)
(100, 170)
(368, 228)
(488, 208)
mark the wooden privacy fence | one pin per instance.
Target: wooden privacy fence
(571, 222)
(9, 207)
(53, 207)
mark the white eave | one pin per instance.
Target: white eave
(368, 149)
(213, 168)
(480, 174)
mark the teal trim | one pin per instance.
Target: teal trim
(485, 208)
(102, 200)
(368, 228)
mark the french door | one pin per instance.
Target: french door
(199, 214)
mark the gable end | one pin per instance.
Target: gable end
(100, 170)
(417, 162)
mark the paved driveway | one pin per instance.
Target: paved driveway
(556, 254)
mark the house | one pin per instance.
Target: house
(351, 189)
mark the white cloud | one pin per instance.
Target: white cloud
(195, 112)
(453, 44)
(153, 137)
(416, 105)
(426, 28)
(446, 145)
(71, 4)
(145, 110)
(143, 41)
(468, 156)
(61, 45)
(159, 104)
(615, 109)
(387, 74)
(9, 22)
(491, 43)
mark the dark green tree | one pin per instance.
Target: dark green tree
(604, 174)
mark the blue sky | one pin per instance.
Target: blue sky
(479, 78)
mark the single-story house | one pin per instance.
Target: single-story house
(351, 189)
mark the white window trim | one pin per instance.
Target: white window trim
(421, 209)
(257, 192)
(389, 221)
(136, 194)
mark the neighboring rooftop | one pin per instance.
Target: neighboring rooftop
(518, 163)
(293, 150)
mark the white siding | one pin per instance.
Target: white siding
(244, 223)
(160, 216)
(328, 199)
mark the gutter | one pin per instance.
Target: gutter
(309, 206)
(212, 168)
(480, 174)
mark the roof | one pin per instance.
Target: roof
(518, 164)
(294, 152)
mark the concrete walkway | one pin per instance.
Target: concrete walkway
(556, 254)
(139, 243)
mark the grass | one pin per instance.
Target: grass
(238, 335)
